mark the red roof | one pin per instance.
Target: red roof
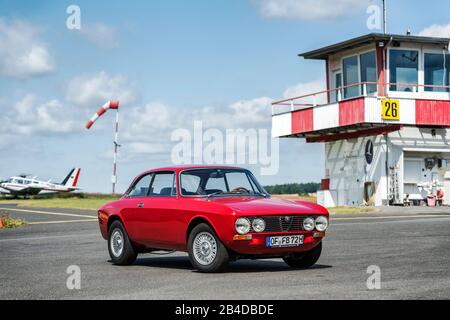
(185, 167)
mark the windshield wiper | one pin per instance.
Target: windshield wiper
(262, 194)
(214, 194)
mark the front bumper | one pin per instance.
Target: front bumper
(257, 244)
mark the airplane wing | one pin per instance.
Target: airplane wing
(26, 190)
(4, 191)
(35, 189)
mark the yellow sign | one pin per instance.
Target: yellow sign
(390, 109)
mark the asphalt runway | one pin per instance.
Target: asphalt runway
(410, 246)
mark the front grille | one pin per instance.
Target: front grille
(283, 223)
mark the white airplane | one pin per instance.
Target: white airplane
(23, 186)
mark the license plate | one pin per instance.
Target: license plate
(284, 241)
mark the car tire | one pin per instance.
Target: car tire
(120, 249)
(304, 260)
(206, 252)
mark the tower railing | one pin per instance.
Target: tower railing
(356, 90)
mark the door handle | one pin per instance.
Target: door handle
(140, 204)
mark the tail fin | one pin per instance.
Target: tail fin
(72, 178)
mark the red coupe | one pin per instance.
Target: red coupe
(216, 214)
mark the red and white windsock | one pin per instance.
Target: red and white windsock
(109, 105)
(115, 106)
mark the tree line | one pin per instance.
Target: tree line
(293, 188)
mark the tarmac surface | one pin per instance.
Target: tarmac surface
(410, 246)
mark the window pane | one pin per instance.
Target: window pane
(338, 84)
(190, 184)
(215, 185)
(369, 70)
(437, 67)
(350, 66)
(403, 69)
(140, 189)
(163, 185)
(210, 181)
(238, 180)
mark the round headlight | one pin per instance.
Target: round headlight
(308, 224)
(259, 225)
(321, 223)
(242, 226)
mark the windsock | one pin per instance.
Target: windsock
(109, 105)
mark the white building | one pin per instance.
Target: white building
(384, 120)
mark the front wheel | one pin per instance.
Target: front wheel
(304, 260)
(120, 248)
(206, 251)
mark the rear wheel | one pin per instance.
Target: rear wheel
(206, 251)
(305, 259)
(120, 248)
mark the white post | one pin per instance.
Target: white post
(385, 16)
(314, 100)
(116, 145)
(292, 105)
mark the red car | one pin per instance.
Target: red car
(216, 214)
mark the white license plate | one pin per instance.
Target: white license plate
(284, 241)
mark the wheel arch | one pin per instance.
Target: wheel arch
(111, 219)
(195, 222)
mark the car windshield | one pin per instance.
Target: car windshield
(216, 182)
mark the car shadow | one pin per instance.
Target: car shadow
(165, 262)
(246, 265)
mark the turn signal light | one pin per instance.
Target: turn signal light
(319, 234)
(239, 237)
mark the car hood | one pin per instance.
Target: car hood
(267, 206)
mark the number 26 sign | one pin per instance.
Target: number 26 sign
(390, 109)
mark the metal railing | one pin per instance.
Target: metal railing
(352, 91)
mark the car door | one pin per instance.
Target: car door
(160, 212)
(132, 203)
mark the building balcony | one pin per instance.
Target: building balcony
(361, 109)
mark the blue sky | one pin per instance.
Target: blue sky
(172, 62)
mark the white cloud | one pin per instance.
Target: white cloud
(28, 116)
(21, 54)
(147, 129)
(101, 35)
(92, 91)
(309, 9)
(302, 89)
(436, 30)
(32, 116)
(147, 148)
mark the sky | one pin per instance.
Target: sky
(170, 63)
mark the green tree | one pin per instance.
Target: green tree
(293, 188)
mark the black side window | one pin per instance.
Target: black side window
(141, 188)
(163, 185)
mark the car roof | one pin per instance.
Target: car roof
(186, 167)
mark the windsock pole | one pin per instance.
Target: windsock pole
(114, 105)
(116, 145)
